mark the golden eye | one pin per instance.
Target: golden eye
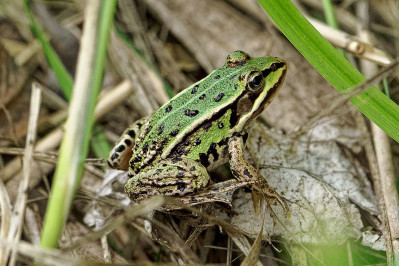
(255, 80)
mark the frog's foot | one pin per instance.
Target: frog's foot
(262, 191)
(169, 177)
(220, 192)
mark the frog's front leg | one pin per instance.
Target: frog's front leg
(169, 177)
(244, 171)
(121, 153)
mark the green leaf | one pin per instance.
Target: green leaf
(75, 142)
(65, 80)
(332, 65)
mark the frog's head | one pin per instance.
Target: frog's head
(259, 81)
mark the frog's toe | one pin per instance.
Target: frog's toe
(262, 191)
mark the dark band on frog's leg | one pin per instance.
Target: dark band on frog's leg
(120, 155)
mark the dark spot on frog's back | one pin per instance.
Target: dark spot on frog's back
(160, 129)
(194, 89)
(180, 150)
(223, 142)
(137, 159)
(207, 126)
(198, 141)
(145, 147)
(217, 77)
(147, 130)
(168, 109)
(220, 125)
(204, 159)
(203, 96)
(174, 133)
(219, 97)
(212, 150)
(237, 58)
(191, 113)
(213, 145)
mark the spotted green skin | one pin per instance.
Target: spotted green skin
(172, 151)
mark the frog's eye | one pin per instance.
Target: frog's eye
(255, 80)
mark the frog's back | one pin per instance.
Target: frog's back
(184, 113)
(198, 111)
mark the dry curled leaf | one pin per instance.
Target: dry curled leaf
(321, 186)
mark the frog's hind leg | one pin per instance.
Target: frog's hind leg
(169, 177)
(120, 155)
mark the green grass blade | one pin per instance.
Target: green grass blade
(99, 144)
(64, 78)
(329, 14)
(332, 65)
(330, 19)
(75, 143)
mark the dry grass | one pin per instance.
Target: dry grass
(177, 43)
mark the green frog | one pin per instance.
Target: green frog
(201, 128)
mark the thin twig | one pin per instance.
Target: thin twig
(5, 212)
(19, 212)
(336, 37)
(380, 161)
(346, 96)
(107, 101)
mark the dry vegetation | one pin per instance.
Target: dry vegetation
(177, 42)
